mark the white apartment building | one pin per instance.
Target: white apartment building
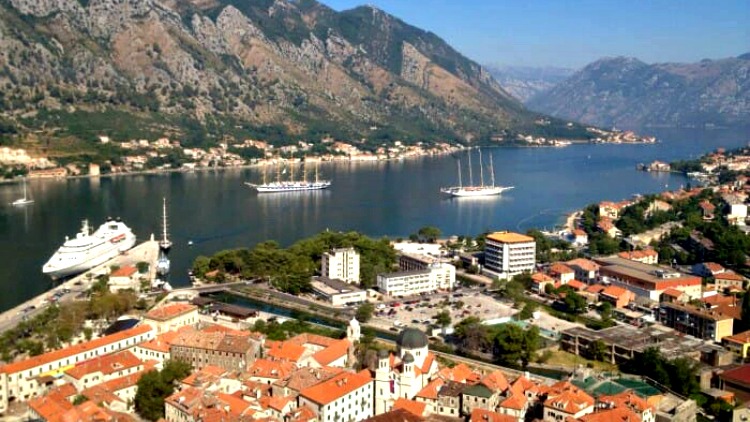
(507, 254)
(345, 397)
(407, 283)
(342, 264)
(337, 292)
(24, 380)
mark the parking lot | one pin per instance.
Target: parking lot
(421, 311)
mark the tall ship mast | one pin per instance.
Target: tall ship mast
(474, 190)
(165, 244)
(291, 185)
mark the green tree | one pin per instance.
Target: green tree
(513, 344)
(443, 318)
(574, 302)
(155, 386)
(79, 399)
(605, 311)
(142, 267)
(528, 311)
(364, 312)
(597, 350)
(429, 233)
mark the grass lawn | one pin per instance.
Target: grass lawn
(562, 358)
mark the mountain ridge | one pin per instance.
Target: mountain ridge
(208, 70)
(627, 92)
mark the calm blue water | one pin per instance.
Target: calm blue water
(216, 211)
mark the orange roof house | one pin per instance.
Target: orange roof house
(617, 296)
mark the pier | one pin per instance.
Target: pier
(70, 289)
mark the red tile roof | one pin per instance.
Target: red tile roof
(516, 401)
(673, 293)
(496, 381)
(430, 391)
(168, 312)
(411, 406)
(286, 351)
(73, 350)
(278, 369)
(106, 364)
(333, 352)
(51, 406)
(618, 414)
(739, 338)
(584, 264)
(739, 375)
(577, 285)
(336, 387)
(627, 399)
(614, 291)
(595, 288)
(559, 268)
(481, 415)
(127, 271)
(162, 342)
(729, 275)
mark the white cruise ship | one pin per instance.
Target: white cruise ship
(88, 250)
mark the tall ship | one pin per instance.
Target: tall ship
(290, 185)
(475, 190)
(88, 250)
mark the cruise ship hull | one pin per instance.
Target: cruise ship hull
(86, 252)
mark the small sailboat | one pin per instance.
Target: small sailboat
(25, 200)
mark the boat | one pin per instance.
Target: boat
(164, 244)
(88, 250)
(290, 185)
(162, 264)
(473, 190)
(25, 200)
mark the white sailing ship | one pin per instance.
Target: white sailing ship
(290, 185)
(25, 200)
(88, 250)
(475, 190)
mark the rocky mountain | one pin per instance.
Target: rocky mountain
(524, 82)
(626, 92)
(206, 70)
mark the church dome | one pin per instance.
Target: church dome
(383, 354)
(411, 338)
(408, 358)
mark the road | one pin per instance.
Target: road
(68, 290)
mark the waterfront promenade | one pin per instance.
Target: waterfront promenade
(147, 251)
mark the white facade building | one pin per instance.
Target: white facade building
(337, 292)
(507, 254)
(20, 381)
(345, 397)
(342, 264)
(407, 283)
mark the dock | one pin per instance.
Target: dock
(147, 251)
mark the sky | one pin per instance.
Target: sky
(573, 33)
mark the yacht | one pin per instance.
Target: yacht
(25, 200)
(88, 250)
(164, 244)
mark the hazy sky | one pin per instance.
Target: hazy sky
(572, 33)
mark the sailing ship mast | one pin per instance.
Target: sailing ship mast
(481, 169)
(460, 184)
(492, 170)
(165, 243)
(471, 177)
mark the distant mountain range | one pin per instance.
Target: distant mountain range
(524, 82)
(628, 93)
(207, 70)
